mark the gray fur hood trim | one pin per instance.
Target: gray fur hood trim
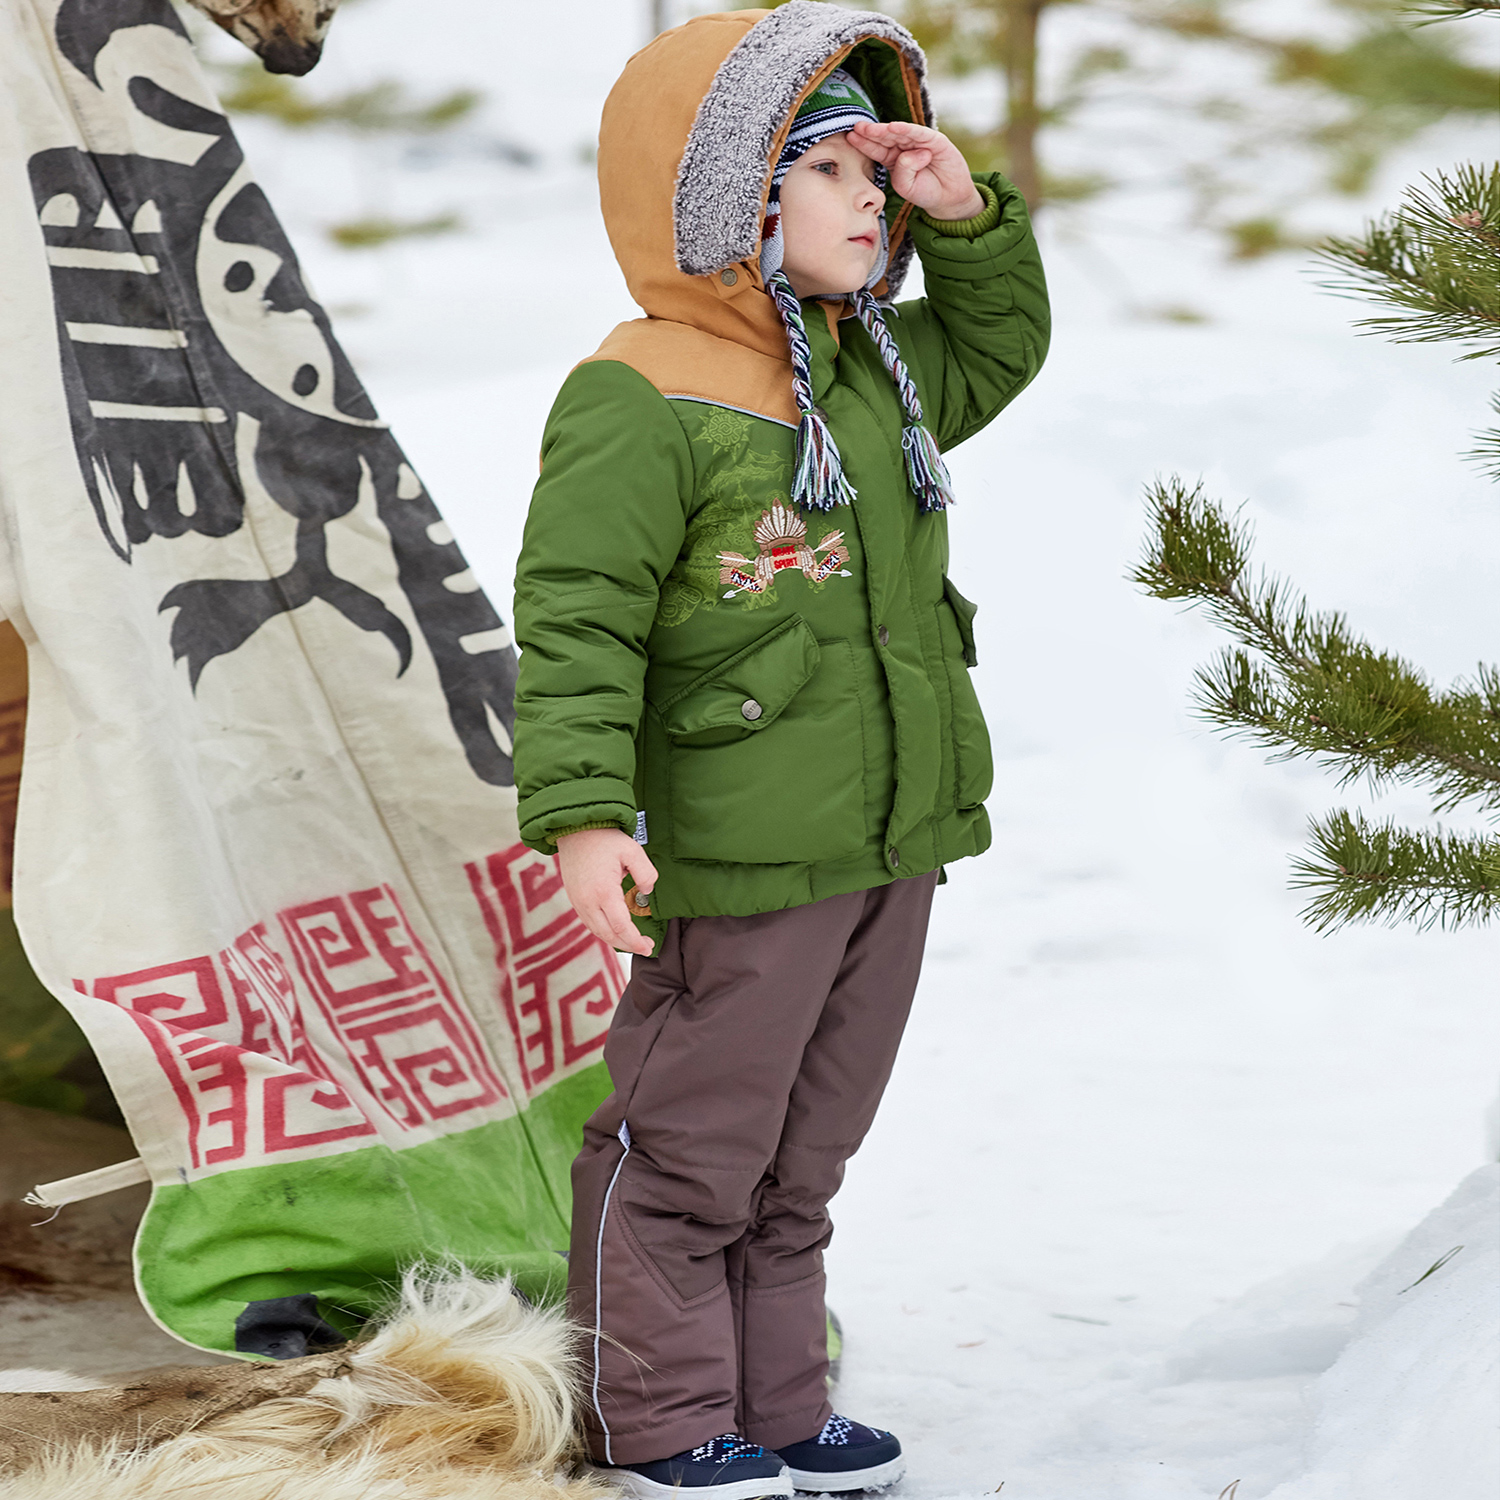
(721, 182)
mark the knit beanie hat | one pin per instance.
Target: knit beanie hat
(835, 106)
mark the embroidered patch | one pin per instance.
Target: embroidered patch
(782, 535)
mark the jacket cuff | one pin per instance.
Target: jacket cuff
(969, 229)
(991, 252)
(562, 833)
(591, 801)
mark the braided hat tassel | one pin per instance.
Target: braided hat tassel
(926, 472)
(818, 481)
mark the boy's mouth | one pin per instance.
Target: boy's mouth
(867, 239)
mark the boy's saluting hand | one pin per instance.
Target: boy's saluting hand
(595, 862)
(926, 168)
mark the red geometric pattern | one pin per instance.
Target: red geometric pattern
(253, 1039)
(413, 1048)
(213, 1058)
(558, 984)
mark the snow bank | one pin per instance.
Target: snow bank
(1411, 1409)
(1297, 1323)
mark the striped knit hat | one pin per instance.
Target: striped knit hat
(835, 106)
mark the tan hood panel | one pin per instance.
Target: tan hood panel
(686, 146)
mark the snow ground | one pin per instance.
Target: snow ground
(1147, 1133)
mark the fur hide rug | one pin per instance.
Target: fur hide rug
(463, 1392)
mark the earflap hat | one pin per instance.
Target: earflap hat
(691, 137)
(834, 107)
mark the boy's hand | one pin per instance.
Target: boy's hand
(594, 863)
(926, 168)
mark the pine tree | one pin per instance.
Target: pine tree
(1343, 103)
(1302, 683)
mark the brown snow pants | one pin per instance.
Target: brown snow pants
(748, 1057)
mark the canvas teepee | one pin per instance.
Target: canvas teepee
(266, 847)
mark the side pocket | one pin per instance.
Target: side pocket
(973, 765)
(745, 694)
(963, 614)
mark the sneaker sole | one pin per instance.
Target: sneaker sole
(880, 1477)
(638, 1487)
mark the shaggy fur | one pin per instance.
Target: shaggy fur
(149, 1408)
(721, 183)
(47, 1380)
(463, 1392)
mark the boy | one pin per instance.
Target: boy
(740, 648)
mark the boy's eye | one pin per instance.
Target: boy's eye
(827, 168)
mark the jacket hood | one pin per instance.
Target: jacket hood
(689, 137)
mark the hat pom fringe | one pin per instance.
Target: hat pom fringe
(925, 470)
(818, 481)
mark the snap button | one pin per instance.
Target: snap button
(883, 636)
(751, 709)
(894, 855)
(729, 277)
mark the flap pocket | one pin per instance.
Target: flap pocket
(964, 613)
(749, 691)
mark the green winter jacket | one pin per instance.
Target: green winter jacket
(785, 698)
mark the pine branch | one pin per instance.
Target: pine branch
(1454, 10)
(1316, 690)
(375, 232)
(1486, 452)
(1436, 260)
(379, 108)
(1361, 872)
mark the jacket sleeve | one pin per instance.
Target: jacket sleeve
(607, 521)
(980, 334)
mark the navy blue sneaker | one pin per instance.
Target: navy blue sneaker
(844, 1456)
(723, 1468)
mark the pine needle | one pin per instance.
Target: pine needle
(1432, 1270)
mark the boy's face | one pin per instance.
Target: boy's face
(830, 219)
